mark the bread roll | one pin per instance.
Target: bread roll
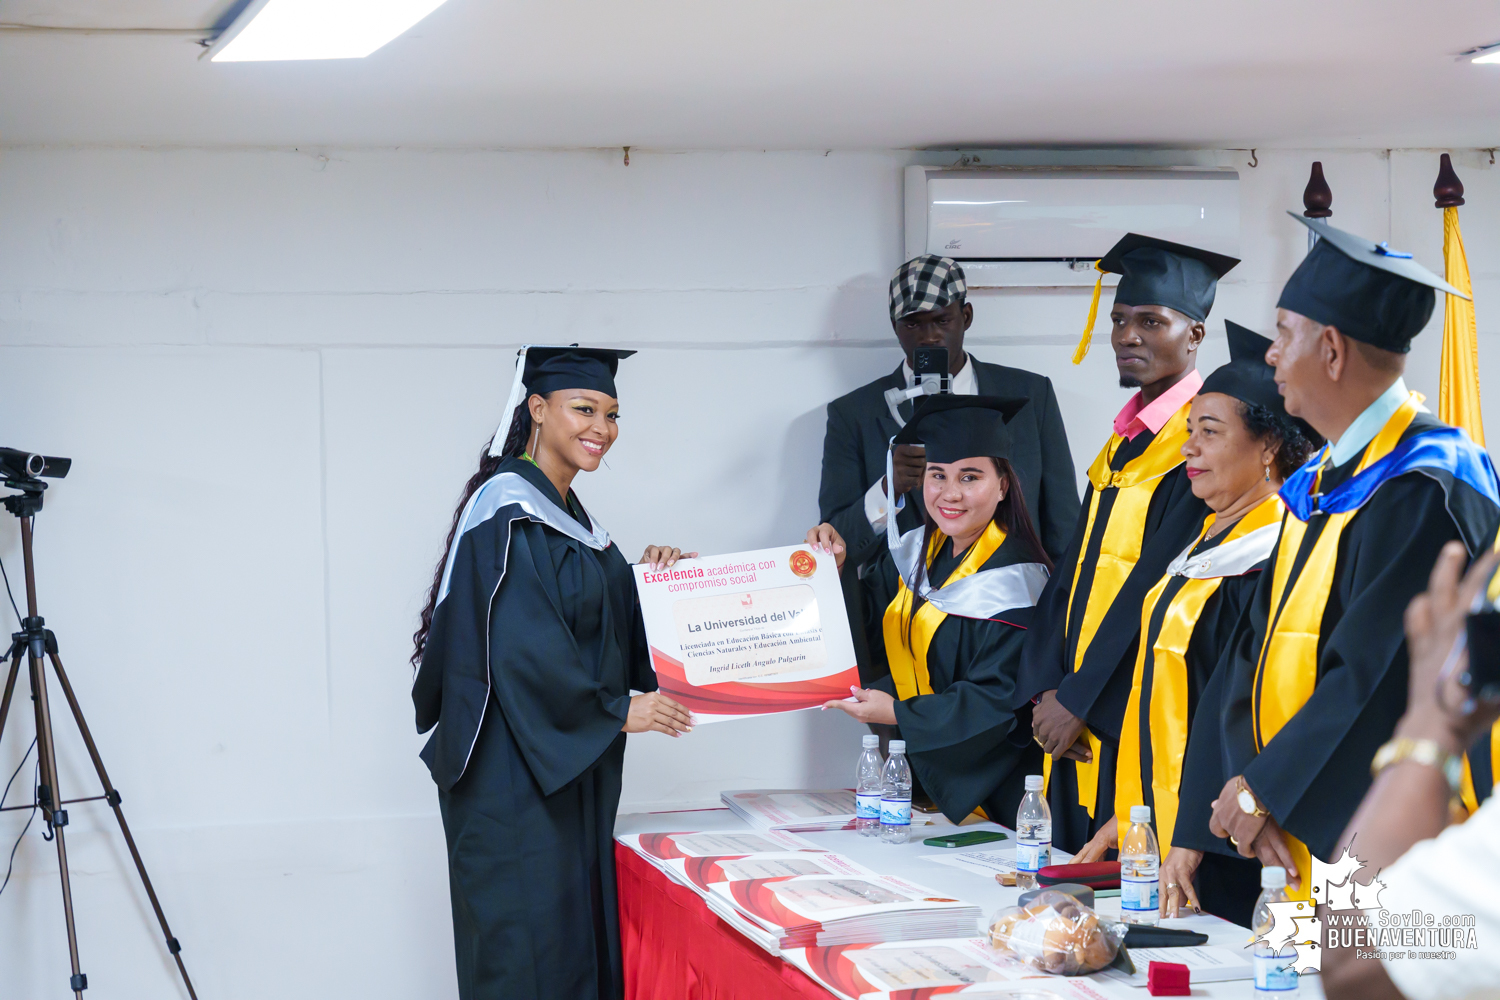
(1057, 934)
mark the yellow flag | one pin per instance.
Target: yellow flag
(1458, 387)
(1458, 402)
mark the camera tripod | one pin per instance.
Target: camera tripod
(38, 645)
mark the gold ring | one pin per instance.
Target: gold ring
(1234, 843)
(1039, 742)
(1172, 885)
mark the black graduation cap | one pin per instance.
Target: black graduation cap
(551, 368)
(545, 369)
(1157, 272)
(1370, 292)
(954, 427)
(1247, 377)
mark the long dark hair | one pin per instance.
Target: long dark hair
(1010, 514)
(515, 444)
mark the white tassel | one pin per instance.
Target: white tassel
(517, 388)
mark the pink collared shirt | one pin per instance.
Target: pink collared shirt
(1136, 417)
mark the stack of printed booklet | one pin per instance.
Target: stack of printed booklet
(783, 892)
(792, 809)
(916, 970)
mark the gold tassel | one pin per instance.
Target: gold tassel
(1088, 326)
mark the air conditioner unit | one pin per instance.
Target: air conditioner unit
(1046, 227)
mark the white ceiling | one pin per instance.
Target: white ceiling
(782, 74)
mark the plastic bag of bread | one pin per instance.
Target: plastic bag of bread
(1056, 933)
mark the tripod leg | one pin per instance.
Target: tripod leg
(10, 687)
(56, 817)
(113, 798)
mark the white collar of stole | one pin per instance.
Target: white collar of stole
(1232, 558)
(511, 489)
(984, 594)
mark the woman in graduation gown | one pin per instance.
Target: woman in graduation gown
(530, 645)
(1241, 447)
(969, 579)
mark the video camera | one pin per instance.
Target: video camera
(17, 466)
(1482, 678)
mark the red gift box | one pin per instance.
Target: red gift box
(1167, 979)
(1097, 875)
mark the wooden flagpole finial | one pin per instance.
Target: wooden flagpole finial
(1317, 197)
(1448, 192)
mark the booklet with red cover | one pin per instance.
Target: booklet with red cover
(916, 970)
(826, 910)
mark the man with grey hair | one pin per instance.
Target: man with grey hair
(929, 308)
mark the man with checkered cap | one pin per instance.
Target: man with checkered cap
(929, 308)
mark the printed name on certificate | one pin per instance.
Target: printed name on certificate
(729, 637)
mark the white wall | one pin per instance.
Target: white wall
(274, 370)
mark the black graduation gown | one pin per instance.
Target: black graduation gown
(530, 818)
(1481, 768)
(859, 430)
(964, 740)
(1227, 884)
(1098, 691)
(1314, 772)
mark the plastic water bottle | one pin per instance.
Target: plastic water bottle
(1274, 975)
(867, 788)
(895, 796)
(1140, 866)
(1033, 834)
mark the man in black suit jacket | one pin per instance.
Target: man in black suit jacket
(929, 309)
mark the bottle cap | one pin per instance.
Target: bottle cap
(898, 746)
(1140, 814)
(1273, 877)
(870, 741)
(1033, 782)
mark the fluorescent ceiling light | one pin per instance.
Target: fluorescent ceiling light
(1483, 53)
(268, 30)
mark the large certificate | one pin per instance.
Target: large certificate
(748, 634)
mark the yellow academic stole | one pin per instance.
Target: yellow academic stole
(909, 663)
(1168, 707)
(1288, 667)
(1118, 551)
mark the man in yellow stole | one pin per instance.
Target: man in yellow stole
(1319, 664)
(1139, 514)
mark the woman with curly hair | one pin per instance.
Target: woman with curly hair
(1241, 447)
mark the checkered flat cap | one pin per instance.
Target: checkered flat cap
(926, 283)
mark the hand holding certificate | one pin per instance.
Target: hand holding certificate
(753, 633)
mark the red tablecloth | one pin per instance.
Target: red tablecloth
(676, 949)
